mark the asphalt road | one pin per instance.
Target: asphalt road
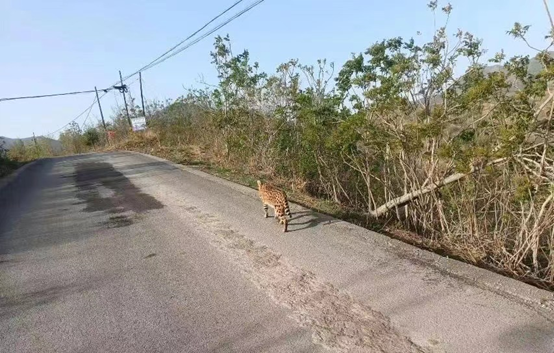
(122, 252)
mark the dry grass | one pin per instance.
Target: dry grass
(469, 248)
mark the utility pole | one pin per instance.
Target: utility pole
(141, 95)
(100, 107)
(36, 146)
(125, 100)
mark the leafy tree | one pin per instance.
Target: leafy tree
(18, 151)
(91, 137)
(465, 161)
(72, 139)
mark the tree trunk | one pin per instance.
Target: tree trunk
(406, 198)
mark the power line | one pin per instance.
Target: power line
(157, 61)
(210, 32)
(147, 66)
(88, 114)
(78, 116)
(51, 95)
(89, 108)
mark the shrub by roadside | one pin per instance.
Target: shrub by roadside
(463, 165)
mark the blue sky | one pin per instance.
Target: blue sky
(59, 46)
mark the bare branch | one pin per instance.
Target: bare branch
(402, 200)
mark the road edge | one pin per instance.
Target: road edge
(8, 179)
(537, 299)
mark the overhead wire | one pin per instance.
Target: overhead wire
(160, 59)
(74, 119)
(51, 95)
(88, 114)
(147, 66)
(89, 108)
(218, 27)
(155, 62)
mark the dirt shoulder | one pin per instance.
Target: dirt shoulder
(192, 155)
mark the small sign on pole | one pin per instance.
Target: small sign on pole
(139, 123)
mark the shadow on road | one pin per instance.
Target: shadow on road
(61, 200)
(308, 219)
(120, 195)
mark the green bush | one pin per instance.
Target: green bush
(463, 161)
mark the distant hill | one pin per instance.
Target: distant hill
(534, 67)
(6, 142)
(54, 144)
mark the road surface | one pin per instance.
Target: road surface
(122, 252)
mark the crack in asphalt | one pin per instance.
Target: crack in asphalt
(337, 320)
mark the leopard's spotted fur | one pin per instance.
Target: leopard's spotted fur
(277, 199)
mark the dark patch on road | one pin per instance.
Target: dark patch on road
(150, 255)
(118, 221)
(123, 195)
(36, 211)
